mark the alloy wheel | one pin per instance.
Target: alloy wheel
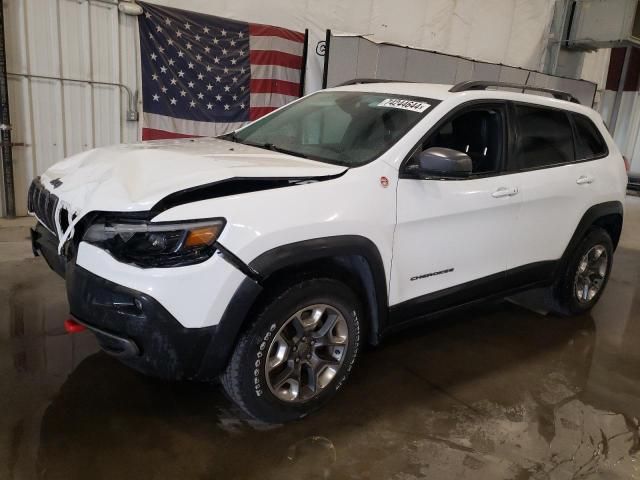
(306, 353)
(591, 273)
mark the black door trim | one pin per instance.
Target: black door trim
(491, 287)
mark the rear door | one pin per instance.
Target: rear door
(453, 236)
(556, 186)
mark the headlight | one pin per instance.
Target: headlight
(157, 244)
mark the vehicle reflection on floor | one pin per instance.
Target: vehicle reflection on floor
(494, 392)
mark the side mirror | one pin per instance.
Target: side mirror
(446, 162)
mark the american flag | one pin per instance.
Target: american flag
(204, 75)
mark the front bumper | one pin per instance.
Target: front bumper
(131, 325)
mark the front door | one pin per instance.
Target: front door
(453, 236)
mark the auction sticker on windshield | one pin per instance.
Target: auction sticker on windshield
(404, 104)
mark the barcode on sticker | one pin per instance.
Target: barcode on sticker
(404, 104)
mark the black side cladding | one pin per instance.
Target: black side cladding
(233, 186)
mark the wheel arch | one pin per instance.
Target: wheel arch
(352, 259)
(607, 215)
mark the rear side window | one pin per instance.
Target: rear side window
(544, 138)
(589, 141)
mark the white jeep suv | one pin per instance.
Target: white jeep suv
(271, 256)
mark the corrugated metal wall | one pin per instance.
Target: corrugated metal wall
(86, 40)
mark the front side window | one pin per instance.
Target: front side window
(344, 128)
(544, 137)
(589, 141)
(478, 132)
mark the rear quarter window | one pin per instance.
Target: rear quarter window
(589, 141)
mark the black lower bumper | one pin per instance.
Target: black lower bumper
(131, 325)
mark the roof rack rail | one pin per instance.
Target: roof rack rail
(483, 85)
(356, 81)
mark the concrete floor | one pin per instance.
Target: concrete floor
(496, 392)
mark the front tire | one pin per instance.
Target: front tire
(585, 277)
(297, 353)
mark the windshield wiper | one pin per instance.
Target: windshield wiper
(275, 148)
(233, 136)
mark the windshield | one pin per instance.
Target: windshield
(344, 128)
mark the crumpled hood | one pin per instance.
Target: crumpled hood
(135, 177)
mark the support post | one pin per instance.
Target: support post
(327, 42)
(5, 128)
(303, 72)
(616, 103)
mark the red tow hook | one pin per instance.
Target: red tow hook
(71, 326)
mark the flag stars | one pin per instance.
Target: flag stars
(163, 69)
(190, 65)
(198, 57)
(224, 51)
(181, 74)
(183, 93)
(170, 41)
(219, 98)
(167, 21)
(180, 53)
(242, 70)
(189, 45)
(187, 26)
(232, 43)
(209, 68)
(164, 89)
(227, 88)
(223, 32)
(174, 101)
(235, 97)
(242, 106)
(158, 28)
(201, 95)
(242, 88)
(154, 76)
(171, 61)
(147, 14)
(205, 29)
(241, 34)
(209, 106)
(207, 49)
(156, 97)
(241, 52)
(192, 104)
(216, 60)
(161, 49)
(218, 78)
(235, 79)
(209, 87)
(191, 84)
(153, 57)
(226, 106)
(197, 37)
(215, 40)
(233, 61)
(200, 76)
(178, 33)
(173, 81)
(226, 70)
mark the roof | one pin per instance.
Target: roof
(442, 92)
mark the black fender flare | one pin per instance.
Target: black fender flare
(235, 315)
(588, 220)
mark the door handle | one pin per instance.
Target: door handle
(584, 180)
(505, 192)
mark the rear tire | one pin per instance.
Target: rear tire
(297, 353)
(585, 276)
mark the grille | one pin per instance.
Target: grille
(43, 204)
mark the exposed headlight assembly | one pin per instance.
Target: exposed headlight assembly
(149, 245)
